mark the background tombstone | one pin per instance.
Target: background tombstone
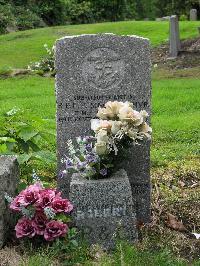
(193, 14)
(175, 44)
(94, 69)
(9, 174)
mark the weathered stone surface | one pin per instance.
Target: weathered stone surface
(9, 173)
(193, 14)
(175, 44)
(104, 209)
(91, 70)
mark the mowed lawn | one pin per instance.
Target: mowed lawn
(19, 49)
(175, 118)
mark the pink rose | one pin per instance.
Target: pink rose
(39, 222)
(17, 203)
(31, 194)
(55, 229)
(45, 198)
(61, 205)
(26, 197)
(24, 228)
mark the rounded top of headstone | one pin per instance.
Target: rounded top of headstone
(101, 36)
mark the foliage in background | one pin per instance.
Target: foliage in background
(38, 13)
(24, 134)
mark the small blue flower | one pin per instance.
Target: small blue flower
(88, 147)
(81, 165)
(103, 172)
(62, 173)
(68, 163)
(91, 158)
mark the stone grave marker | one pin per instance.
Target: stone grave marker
(9, 174)
(175, 44)
(94, 69)
(193, 14)
(104, 209)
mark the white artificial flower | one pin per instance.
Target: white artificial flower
(102, 136)
(110, 111)
(95, 124)
(127, 113)
(116, 126)
(144, 113)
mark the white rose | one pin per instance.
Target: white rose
(95, 123)
(110, 111)
(127, 113)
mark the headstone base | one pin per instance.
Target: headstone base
(104, 209)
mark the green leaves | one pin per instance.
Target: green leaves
(23, 134)
(28, 132)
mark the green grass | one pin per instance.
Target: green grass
(175, 119)
(19, 49)
(124, 254)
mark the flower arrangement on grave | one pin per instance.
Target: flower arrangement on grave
(117, 128)
(44, 212)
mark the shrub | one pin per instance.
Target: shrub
(6, 18)
(23, 134)
(183, 17)
(26, 19)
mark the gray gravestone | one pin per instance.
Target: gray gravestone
(175, 44)
(9, 174)
(193, 14)
(104, 209)
(94, 69)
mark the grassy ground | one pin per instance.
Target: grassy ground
(175, 111)
(20, 48)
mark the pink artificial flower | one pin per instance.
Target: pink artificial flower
(46, 196)
(39, 222)
(24, 228)
(31, 194)
(26, 197)
(61, 205)
(17, 203)
(55, 229)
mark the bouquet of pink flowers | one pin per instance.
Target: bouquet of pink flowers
(43, 210)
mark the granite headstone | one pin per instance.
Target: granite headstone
(104, 209)
(94, 69)
(175, 44)
(9, 174)
(193, 14)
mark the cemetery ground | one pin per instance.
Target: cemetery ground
(168, 239)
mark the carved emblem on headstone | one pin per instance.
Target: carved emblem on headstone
(103, 69)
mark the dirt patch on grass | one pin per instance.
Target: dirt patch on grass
(10, 257)
(188, 57)
(175, 193)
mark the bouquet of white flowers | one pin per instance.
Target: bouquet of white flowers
(118, 126)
